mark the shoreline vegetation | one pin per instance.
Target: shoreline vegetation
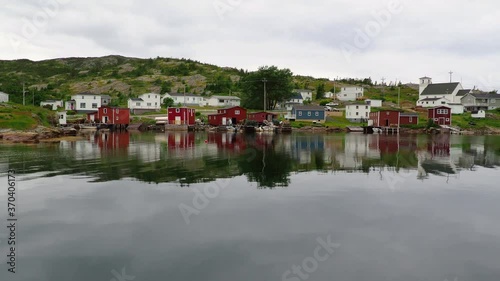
(32, 124)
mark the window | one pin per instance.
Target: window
(105, 111)
(357, 113)
(316, 114)
(149, 96)
(61, 116)
(357, 107)
(156, 103)
(82, 105)
(94, 97)
(94, 105)
(138, 103)
(366, 107)
(237, 112)
(411, 119)
(443, 102)
(149, 104)
(300, 113)
(366, 114)
(117, 111)
(83, 97)
(447, 119)
(309, 113)
(177, 110)
(221, 101)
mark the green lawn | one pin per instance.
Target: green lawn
(18, 117)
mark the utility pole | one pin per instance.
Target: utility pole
(399, 96)
(265, 94)
(451, 73)
(184, 95)
(24, 92)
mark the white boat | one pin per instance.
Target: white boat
(88, 127)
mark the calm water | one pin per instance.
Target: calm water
(178, 206)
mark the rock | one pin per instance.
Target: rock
(25, 137)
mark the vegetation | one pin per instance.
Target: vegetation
(279, 87)
(18, 117)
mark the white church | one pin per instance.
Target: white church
(447, 94)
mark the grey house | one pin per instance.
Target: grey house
(475, 102)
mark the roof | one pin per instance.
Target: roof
(431, 99)
(440, 89)
(463, 92)
(309, 107)
(439, 107)
(487, 96)
(297, 96)
(136, 99)
(425, 77)
(182, 94)
(262, 112)
(86, 94)
(227, 108)
(302, 90)
(3, 93)
(51, 100)
(105, 96)
(408, 114)
(226, 97)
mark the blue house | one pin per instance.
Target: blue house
(308, 112)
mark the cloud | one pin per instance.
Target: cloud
(425, 38)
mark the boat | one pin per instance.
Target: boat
(355, 129)
(88, 127)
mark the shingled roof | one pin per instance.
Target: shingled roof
(487, 96)
(462, 93)
(439, 89)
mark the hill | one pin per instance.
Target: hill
(124, 77)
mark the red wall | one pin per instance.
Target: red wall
(405, 120)
(380, 118)
(237, 114)
(116, 116)
(187, 115)
(439, 118)
(261, 116)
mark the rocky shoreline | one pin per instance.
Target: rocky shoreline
(45, 134)
(39, 134)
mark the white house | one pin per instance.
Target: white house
(61, 117)
(87, 102)
(350, 93)
(357, 112)
(453, 92)
(188, 99)
(306, 94)
(329, 95)
(456, 108)
(373, 103)
(145, 102)
(4, 97)
(53, 103)
(226, 101)
(478, 114)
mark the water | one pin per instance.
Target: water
(178, 206)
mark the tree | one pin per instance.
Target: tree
(166, 87)
(320, 91)
(279, 87)
(168, 102)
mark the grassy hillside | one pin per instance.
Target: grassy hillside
(18, 117)
(123, 77)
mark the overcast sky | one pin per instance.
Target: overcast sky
(399, 40)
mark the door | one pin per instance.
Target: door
(177, 120)
(224, 120)
(387, 122)
(105, 119)
(441, 121)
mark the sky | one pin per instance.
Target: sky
(399, 40)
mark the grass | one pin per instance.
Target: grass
(19, 117)
(465, 121)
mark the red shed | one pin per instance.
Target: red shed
(393, 118)
(259, 117)
(407, 118)
(440, 115)
(386, 118)
(227, 116)
(181, 116)
(110, 115)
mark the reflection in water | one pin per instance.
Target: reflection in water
(267, 159)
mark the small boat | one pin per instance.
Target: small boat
(355, 129)
(88, 127)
